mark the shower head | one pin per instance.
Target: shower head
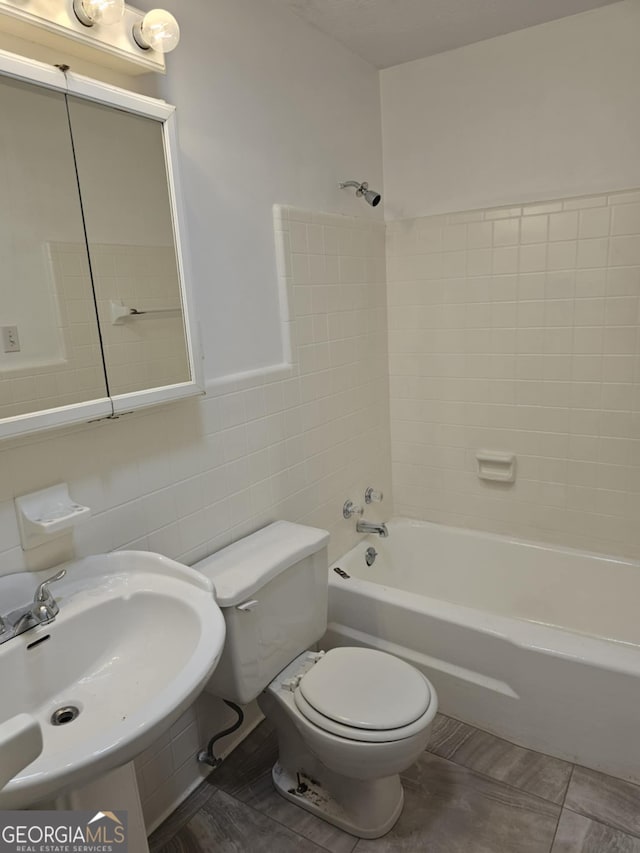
(373, 198)
(362, 191)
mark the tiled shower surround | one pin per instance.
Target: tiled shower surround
(188, 478)
(517, 329)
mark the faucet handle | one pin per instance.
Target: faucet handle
(42, 594)
(350, 509)
(371, 496)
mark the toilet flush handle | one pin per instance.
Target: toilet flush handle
(248, 606)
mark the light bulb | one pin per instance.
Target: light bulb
(158, 30)
(90, 12)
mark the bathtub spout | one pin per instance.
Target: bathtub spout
(370, 527)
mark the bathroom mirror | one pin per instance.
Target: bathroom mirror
(46, 304)
(94, 302)
(127, 213)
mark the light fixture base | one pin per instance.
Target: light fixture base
(81, 15)
(136, 32)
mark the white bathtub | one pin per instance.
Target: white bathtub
(538, 644)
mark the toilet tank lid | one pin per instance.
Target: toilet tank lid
(241, 569)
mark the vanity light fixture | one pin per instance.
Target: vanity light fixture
(90, 12)
(158, 30)
(109, 33)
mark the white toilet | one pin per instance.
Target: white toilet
(349, 720)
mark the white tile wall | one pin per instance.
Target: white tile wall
(187, 479)
(517, 329)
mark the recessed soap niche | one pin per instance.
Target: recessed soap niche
(496, 466)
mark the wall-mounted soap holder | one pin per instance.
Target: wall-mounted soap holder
(496, 466)
(46, 514)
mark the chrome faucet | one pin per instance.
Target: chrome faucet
(371, 527)
(43, 609)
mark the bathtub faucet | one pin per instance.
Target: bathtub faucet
(370, 527)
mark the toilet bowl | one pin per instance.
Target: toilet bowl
(349, 721)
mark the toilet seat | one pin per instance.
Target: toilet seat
(364, 695)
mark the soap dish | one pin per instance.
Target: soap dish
(46, 514)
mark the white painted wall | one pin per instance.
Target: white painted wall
(545, 112)
(269, 111)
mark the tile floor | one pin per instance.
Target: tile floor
(470, 791)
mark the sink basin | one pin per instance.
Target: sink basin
(136, 639)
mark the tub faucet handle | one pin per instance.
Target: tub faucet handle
(371, 496)
(350, 509)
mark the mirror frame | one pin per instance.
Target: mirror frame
(47, 76)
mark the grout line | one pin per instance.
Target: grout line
(601, 822)
(493, 779)
(564, 800)
(510, 743)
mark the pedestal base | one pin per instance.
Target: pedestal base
(115, 791)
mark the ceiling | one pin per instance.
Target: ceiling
(388, 32)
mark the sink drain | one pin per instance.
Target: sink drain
(64, 715)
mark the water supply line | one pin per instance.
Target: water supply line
(207, 755)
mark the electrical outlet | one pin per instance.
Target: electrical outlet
(10, 339)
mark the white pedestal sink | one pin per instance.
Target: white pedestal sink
(136, 639)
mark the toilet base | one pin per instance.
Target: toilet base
(358, 800)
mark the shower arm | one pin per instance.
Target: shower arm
(360, 188)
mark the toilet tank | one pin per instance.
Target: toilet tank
(272, 588)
